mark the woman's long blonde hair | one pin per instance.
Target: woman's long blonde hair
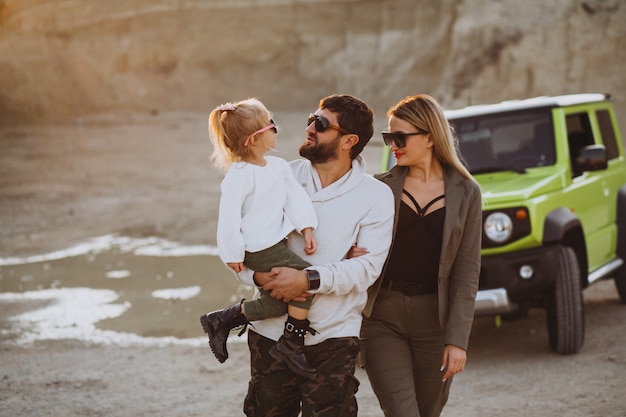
(423, 112)
(230, 125)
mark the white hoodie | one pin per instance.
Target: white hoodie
(354, 210)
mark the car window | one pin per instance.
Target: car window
(608, 134)
(579, 135)
(506, 141)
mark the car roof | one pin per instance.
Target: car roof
(529, 103)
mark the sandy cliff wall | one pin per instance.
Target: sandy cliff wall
(65, 59)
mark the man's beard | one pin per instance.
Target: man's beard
(320, 153)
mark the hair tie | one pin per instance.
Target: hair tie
(227, 107)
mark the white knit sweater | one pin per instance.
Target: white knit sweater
(259, 207)
(356, 209)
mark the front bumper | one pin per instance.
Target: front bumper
(502, 287)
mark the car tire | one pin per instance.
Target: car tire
(620, 283)
(564, 312)
(620, 274)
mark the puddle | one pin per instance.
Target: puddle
(117, 290)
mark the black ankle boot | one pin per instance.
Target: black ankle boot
(218, 325)
(290, 347)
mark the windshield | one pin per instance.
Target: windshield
(510, 141)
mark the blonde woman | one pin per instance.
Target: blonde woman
(420, 310)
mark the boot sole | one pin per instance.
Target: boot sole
(208, 329)
(281, 357)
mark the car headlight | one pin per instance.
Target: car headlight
(498, 227)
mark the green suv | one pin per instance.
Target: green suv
(553, 178)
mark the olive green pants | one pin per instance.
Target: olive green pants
(403, 349)
(265, 306)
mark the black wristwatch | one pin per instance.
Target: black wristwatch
(314, 279)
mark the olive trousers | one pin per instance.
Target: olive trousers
(403, 345)
(265, 306)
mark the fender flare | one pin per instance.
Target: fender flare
(557, 223)
(563, 227)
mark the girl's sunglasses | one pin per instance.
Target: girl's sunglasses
(272, 126)
(399, 138)
(322, 123)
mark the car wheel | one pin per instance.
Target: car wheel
(620, 274)
(565, 315)
(620, 283)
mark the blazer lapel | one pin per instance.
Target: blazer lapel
(455, 195)
(394, 178)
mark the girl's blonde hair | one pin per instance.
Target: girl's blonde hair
(229, 127)
(423, 112)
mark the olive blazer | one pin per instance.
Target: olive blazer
(459, 264)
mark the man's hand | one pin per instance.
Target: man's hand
(262, 278)
(287, 284)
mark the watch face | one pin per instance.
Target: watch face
(314, 279)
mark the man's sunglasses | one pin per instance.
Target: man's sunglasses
(399, 138)
(322, 123)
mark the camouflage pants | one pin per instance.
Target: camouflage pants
(275, 391)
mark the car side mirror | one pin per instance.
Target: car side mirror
(591, 158)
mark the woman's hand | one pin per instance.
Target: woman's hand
(454, 359)
(356, 251)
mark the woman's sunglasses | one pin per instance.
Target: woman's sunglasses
(322, 123)
(399, 138)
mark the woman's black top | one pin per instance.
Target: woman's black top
(414, 258)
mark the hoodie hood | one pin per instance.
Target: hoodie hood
(304, 169)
